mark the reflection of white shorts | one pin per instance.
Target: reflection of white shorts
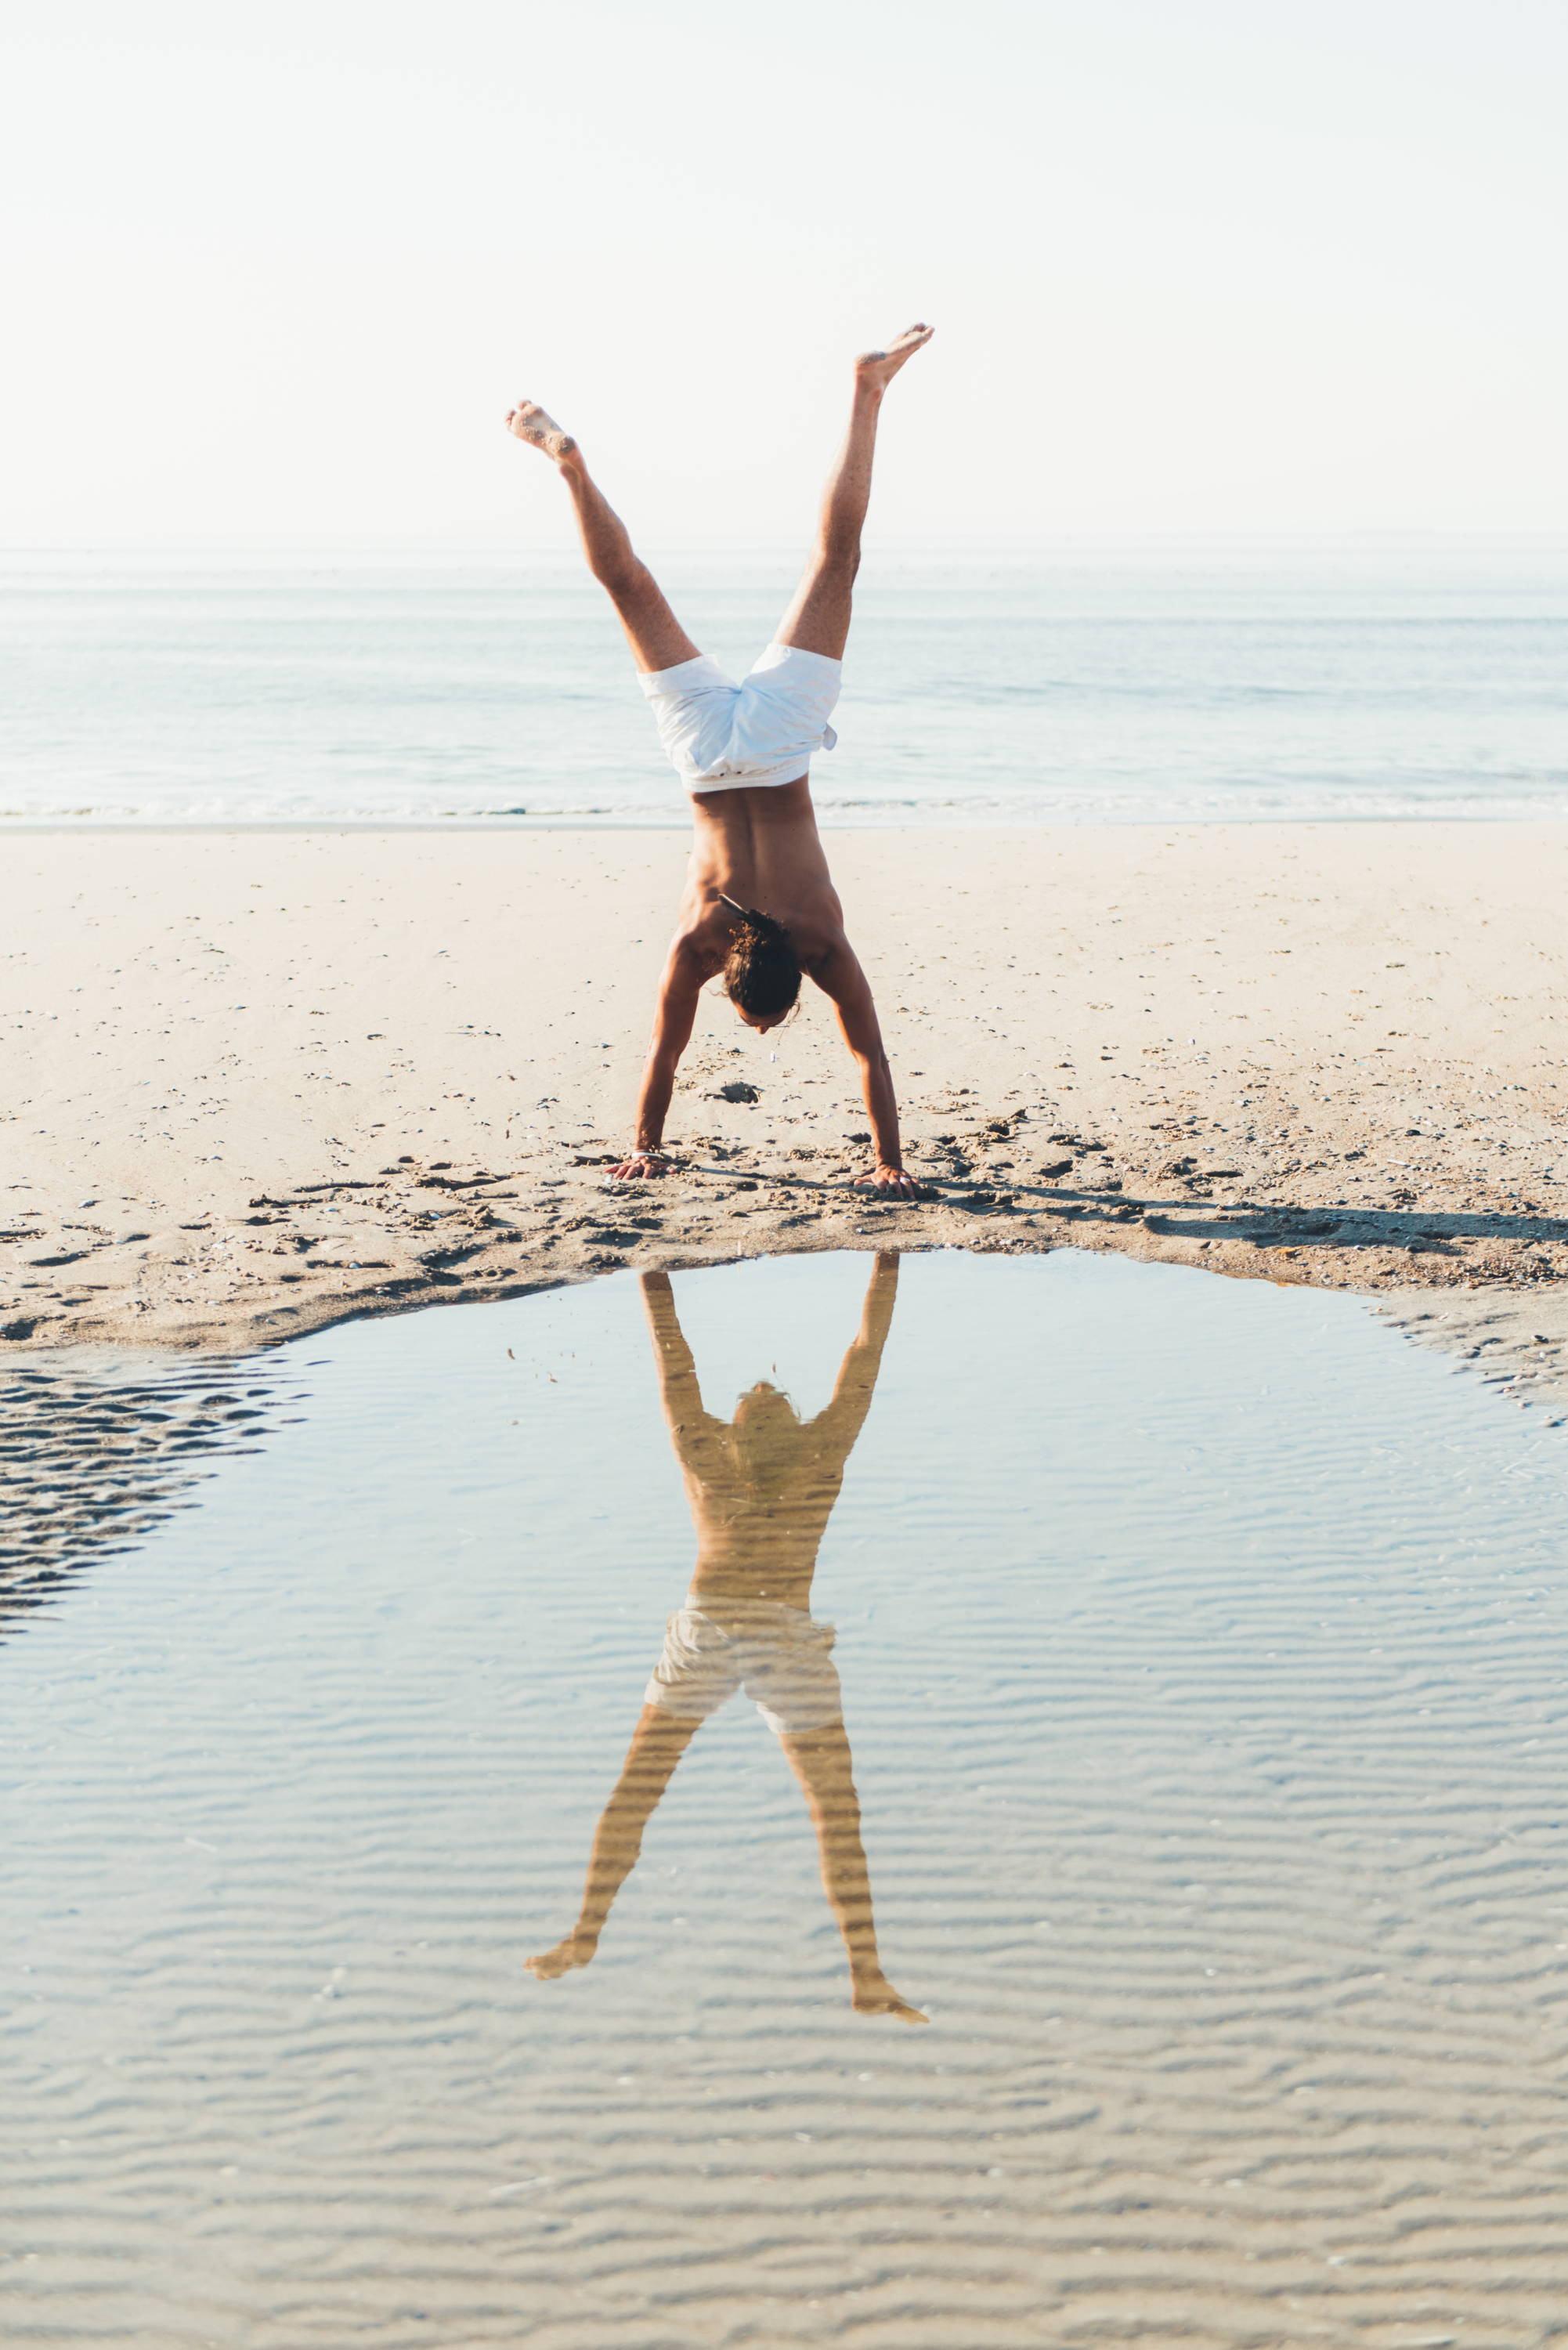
(723, 737)
(779, 1655)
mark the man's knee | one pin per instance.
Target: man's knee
(626, 577)
(839, 559)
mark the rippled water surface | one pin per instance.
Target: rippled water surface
(1169, 684)
(1190, 1755)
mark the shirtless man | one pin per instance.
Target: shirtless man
(761, 1487)
(758, 904)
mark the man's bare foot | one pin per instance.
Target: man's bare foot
(574, 1951)
(879, 367)
(876, 1996)
(529, 423)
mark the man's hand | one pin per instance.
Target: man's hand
(890, 1179)
(640, 1165)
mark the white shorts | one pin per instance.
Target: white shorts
(723, 737)
(779, 1655)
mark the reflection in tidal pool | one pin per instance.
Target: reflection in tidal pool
(761, 1488)
(1195, 1721)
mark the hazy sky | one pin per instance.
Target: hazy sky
(1211, 265)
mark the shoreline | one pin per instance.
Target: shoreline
(284, 1074)
(59, 826)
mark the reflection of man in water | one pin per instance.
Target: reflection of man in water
(761, 1489)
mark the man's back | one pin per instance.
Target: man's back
(762, 848)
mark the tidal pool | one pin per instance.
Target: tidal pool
(461, 1888)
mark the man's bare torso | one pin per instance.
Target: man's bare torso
(762, 848)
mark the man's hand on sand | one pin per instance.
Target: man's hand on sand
(641, 1166)
(890, 1179)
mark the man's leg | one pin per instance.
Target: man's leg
(821, 1761)
(818, 619)
(657, 639)
(658, 1743)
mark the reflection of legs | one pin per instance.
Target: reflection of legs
(822, 1762)
(657, 639)
(658, 1743)
(818, 619)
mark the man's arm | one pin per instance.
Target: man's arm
(839, 1423)
(685, 974)
(690, 1426)
(839, 975)
(676, 1365)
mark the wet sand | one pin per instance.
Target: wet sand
(255, 1082)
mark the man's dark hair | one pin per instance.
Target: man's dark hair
(762, 970)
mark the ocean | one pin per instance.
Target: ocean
(1374, 680)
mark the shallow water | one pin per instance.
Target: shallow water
(1358, 679)
(1202, 1657)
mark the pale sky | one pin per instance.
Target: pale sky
(273, 275)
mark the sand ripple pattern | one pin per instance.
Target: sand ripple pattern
(1203, 1656)
(99, 1448)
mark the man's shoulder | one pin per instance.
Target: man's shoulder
(827, 954)
(701, 938)
(815, 920)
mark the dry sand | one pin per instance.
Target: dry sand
(256, 1081)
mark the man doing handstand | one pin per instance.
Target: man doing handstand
(758, 904)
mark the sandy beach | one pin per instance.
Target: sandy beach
(258, 1081)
